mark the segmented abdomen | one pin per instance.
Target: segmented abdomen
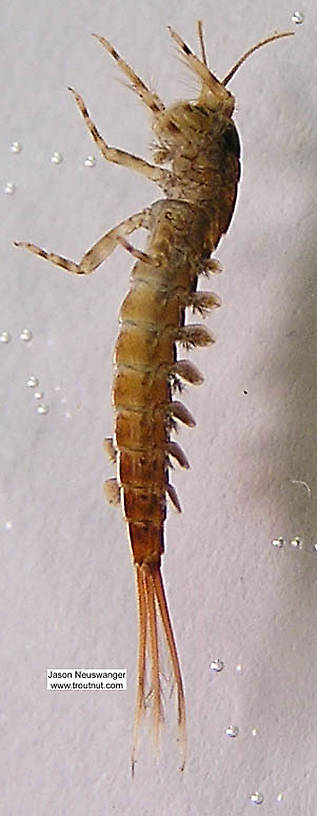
(145, 355)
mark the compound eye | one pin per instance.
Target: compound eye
(231, 140)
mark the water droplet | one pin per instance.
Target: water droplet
(57, 157)
(38, 395)
(32, 382)
(279, 542)
(8, 525)
(297, 543)
(68, 415)
(90, 161)
(315, 547)
(257, 798)
(298, 17)
(280, 797)
(42, 408)
(16, 147)
(5, 337)
(254, 732)
(232, 731)
(26, 335)
(9, 188)
(216, 665)
(239, 667)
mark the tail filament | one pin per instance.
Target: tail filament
(152, 605)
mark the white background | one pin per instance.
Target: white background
(67, 581)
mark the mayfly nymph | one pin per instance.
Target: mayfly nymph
(198, 144)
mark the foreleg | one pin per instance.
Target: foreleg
(150, 99)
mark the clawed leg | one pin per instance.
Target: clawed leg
(99, 251)
(113, 154)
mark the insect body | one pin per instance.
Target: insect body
(199, 143)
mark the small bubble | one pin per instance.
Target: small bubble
(5, 337)
(57, 157)
(232, 731)
(38, 395)
(239, 667)
(9, 188)
(32, 382)
(16, 147)
(8, 525)
(42, 408)
(90, 161)
(279, 797)
(216, 665)
(257, 798)
(315, 547)
(254, 732)
(26, 335)
(279, 542)
(297, 543)
(298, 17)
(68, 415)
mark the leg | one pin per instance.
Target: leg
(137, 253)
(198, 66)
(99, 251)
(148, 97)
(108, 243)
(112, 154)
